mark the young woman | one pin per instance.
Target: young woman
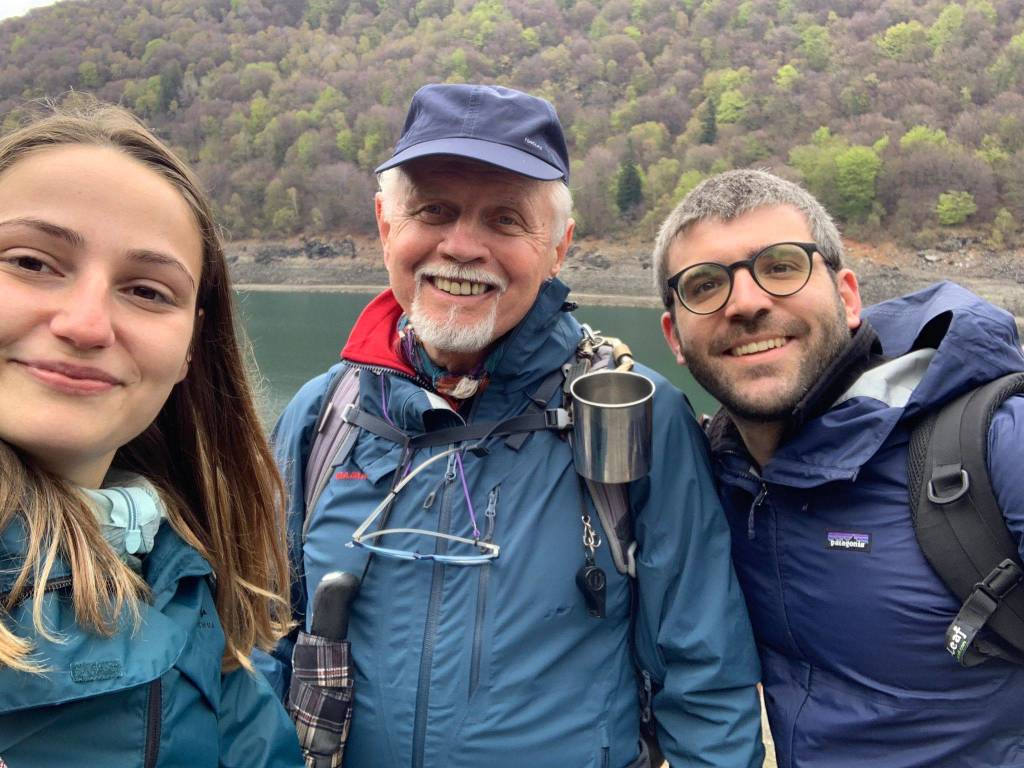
(141, 559)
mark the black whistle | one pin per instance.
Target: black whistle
(331, 604)
(592, 582)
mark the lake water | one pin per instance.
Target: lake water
(297, 335)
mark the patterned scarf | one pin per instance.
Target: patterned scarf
(452, 385)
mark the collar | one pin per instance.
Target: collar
(864, 351)
(129, 511)
(372, 342)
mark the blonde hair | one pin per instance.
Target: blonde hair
(206, 452)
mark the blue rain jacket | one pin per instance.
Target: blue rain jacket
(852, 640)
(499, 665)
(156, 698)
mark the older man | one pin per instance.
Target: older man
(471, 633)
(810, 449)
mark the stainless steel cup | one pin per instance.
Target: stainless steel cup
(612, 425)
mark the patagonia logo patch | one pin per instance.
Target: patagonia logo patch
(349, 475)
(851, 542)
(94, 671)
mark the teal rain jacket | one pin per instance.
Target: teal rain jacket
(499, 665)
(155, 699)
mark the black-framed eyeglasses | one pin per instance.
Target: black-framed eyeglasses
(779, 269)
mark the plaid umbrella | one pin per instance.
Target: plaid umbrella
(322, 688)
(320, 698)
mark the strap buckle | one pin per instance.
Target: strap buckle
(557, 418)
(1001, 580)
(346, 412)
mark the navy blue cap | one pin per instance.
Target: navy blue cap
(489, 123)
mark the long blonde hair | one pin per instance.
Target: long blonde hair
(206, 452)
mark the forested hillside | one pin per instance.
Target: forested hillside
(905, 116)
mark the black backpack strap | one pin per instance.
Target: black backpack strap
(960, 527)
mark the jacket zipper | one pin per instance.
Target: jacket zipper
(419, 735)
(758, 500)
(481, 596)
(378, 369)
(51, 585)
(154, 706)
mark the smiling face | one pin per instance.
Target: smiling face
(467, 248)
(99, 262)
(760, 354)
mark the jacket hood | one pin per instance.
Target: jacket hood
(974, 341)
(545, 336)
(938, 343)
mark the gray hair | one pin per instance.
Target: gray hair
(396, 185)
(729, 195)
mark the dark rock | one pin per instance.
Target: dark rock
(347, 248)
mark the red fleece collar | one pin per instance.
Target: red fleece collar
(374, 336)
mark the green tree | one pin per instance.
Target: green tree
(88, 74)
(629, 190)
(1003, 229)
(954, 207)
(947, 27)
(709, 123)
(906, 41)
(687, 182)
(817, 165)
(922, 134)
(1009, 66)
(816, 46)
(786, 77)
(856, 173)
(731, 106)
(992, 150)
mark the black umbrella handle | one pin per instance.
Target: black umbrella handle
(331, 604)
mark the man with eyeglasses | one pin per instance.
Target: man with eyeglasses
(810, 450)
(471, 635)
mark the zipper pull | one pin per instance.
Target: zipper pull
(449, 473)
(490, 513)
(750, 516)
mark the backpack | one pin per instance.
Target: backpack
(960, 527)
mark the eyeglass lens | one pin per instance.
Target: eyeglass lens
(780, 270)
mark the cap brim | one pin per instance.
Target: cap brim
(500, 155)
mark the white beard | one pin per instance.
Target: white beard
(451, 334)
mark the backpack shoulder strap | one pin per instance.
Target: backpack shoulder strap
(612, 499)
(612, 503)
(333, 438)
(960, 527)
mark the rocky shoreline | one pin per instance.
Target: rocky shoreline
(619, 272)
